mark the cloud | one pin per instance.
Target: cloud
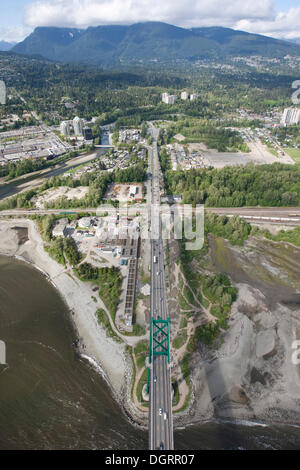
(14, 33)
(187, 13)
(256, 16)
(285, 25)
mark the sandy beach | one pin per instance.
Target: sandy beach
(104, 354)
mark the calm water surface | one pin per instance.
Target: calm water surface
(51, 399)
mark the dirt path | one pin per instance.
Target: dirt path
(136, 382)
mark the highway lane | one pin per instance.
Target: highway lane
(160, 363)
(161, 422)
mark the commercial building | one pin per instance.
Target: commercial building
(30, 142)
(85, 222)
(290, 116)
(87, 133)
(60, 229)
(133, 191)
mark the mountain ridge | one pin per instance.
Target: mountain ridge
(294, 41)
(144, 42)
(6, 46)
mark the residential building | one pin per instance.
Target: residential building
(172, 99)
(290, 116)
(184, 95)
(65, 128)
(194, 96)
(2, 92)
(164, 97)
(168, 99)
(78, 125)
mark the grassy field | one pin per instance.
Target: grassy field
(291, 236)
(294, 154)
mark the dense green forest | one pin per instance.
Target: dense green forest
(235, 229)
(96, 181)
(128, 97)
(264, 185)
(108, 281)
(29, 165)
(200, 130)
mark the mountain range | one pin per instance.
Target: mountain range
(6, 46)
(295, 40)
(150, 41)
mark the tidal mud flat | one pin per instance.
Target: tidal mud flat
(251, 376)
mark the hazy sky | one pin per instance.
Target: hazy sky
(278, 18)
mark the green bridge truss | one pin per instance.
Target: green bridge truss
(159, 341)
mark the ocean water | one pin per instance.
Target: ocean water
(51, 398)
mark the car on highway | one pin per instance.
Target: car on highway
(160, 411)
(155, 379)
(165, 415)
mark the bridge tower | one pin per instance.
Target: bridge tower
(159, 342)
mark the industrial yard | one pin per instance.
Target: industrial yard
(53, 194)
(125, 192)
(106, 242)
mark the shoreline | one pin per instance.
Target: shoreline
(82, 353)
(106, 356)
(114, 364)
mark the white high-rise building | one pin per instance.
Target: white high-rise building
(184, 95)
(65, 128)
(290, 116)
(194, 96)
(172, 99)
(165, 97)
(78, 125)
(2, 92)
(168, 99)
